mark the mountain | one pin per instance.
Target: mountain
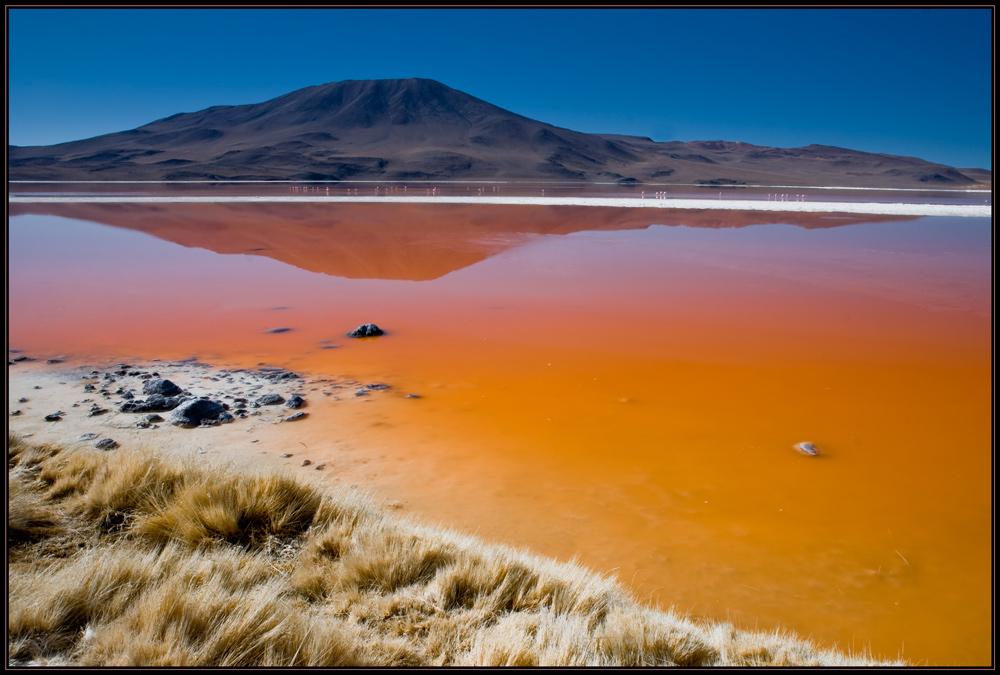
(419, 129)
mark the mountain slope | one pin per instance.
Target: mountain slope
(419, 129)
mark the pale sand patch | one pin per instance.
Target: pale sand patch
(258, 441)
(871, 208)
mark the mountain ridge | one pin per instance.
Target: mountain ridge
(421, 129)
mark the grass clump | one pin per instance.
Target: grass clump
(128, 559)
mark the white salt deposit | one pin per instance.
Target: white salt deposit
(894, 209)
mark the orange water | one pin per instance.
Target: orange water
(600, 386)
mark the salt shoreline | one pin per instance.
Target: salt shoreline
(870, 208)
(67, 390)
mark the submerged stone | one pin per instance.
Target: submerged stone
(807, 449)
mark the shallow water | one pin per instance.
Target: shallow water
(618, 386)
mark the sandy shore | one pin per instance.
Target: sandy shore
(897, 209)
(259, 436)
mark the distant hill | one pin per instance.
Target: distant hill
(419, 129)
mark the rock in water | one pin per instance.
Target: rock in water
(807, 449)
(193, 412)
(367, 330)
(161, 387)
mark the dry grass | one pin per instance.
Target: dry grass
(126, 559)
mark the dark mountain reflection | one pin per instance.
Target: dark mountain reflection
(414, 242)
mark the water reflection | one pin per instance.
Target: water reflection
(414, 242)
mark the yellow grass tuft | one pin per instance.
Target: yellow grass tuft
(130, 560)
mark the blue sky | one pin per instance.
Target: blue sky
(914, 81)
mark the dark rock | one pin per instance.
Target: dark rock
(155, 403)
(329, 346)
(95, 411)
(54, 417)
(361, 393)
(22, 400)
(270, 399)
(296, 416)
(276, 374)
(306, 462)
(278, 330)
(295, 401)
(19, 359)
(366, 330)
(54, 361)
(192, 412)
(127, 395)
(413, 396)
(87, 437)
(88, 387)
(162, 387)
(153, 418)
(226, 418)
(106, 444)
(378, 386)
(15, 413)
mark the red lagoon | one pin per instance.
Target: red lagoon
(619, 386)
